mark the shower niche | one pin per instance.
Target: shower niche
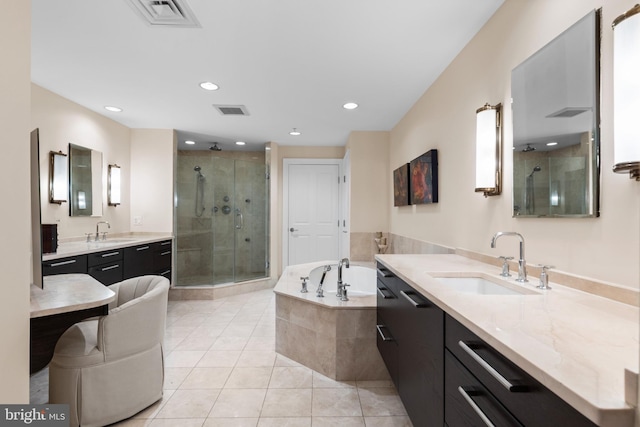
(221, 215)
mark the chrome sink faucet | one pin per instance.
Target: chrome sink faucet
(98, 229)
(522, 264)
(342, 286)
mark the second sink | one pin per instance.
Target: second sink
(482, 286)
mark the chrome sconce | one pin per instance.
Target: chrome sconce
(489, 150)
(58, 181)
(114, 195)
(626, 92)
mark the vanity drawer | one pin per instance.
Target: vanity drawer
(161, 256)
(528, 400)
(76, 264)
(108, 273)
(468, 402)
(99, 258)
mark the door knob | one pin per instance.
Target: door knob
(293, 229)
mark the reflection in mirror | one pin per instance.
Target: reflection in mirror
(58, 183)
(85, 181)
(556, 126)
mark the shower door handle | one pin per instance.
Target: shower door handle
(239, 214)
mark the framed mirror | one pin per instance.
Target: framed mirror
(58, 181)
(85, 181)
(556, 126)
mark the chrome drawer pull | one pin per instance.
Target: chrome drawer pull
(412, 301)
(382, 294)
(384, 272)
(58, 264)
(165, 272)
(382, 335)
(142, 248)
(490, 369)
(111, 267)
(475, 407)
(165, 253)
(165, 243)
(110, 254)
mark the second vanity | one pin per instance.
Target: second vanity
(561, 349)
(113, 260)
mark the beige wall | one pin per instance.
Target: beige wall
(152, 158)
(370, 181)
(605, 248)
(62, 122)
(15, 227)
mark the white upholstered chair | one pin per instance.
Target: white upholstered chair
(108, 369)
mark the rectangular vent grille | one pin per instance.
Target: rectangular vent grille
(568, 112)
(232, 110)
(173, 13)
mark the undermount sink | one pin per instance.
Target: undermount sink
(112, 241)
(482, 286)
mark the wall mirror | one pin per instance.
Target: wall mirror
(85, 181)
(556, 126)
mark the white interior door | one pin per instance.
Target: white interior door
(312, 211)
(345, 207)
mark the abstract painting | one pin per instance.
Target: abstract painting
(423, 172)
(401, 186)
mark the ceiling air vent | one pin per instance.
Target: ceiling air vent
(232, 110)
(171, 13)
(568, 112)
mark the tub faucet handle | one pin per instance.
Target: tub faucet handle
(344, 297)
(304, 284)
(544, 277)
(505, 265)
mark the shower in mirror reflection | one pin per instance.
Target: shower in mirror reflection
(199, 208)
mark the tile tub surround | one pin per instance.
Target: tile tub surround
(576, 344)
(335, 338)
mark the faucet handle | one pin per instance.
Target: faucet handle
(304, 284)
(505, 265)
(88, 236)
(104, 235)
(544, 276)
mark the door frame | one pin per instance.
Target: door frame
(285, 199)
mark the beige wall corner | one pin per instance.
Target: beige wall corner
(15, 228)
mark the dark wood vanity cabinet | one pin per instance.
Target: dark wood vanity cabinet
(496, 387)
(446, 375)
(115, 265)
(410, 339)
(106, 267)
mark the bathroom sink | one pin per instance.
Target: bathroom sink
(112, 241)
(482, 286)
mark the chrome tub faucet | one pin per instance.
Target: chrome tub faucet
(341, 288)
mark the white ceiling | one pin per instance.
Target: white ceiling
(292, 63)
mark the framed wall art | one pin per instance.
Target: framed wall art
(401, 186)
(423, 178)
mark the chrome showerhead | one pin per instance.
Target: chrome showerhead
(215, 147)
(537, 168)
(197, 169)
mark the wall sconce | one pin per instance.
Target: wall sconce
(626, 93)
(114, 196)
(58, 181)
(489, 150)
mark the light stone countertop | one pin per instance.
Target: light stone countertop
(74, 248)
(65, 293)
(576, 344)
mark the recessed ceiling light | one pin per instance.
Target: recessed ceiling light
(189, 142)
(113, 109)
(240, 143)
(209, 86)
(294, 132)
(350, 106)
(552, 143)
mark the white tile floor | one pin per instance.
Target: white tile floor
(221, 369)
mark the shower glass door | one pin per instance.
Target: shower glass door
(222, 231)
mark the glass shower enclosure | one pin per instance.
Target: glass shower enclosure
(221, 217)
